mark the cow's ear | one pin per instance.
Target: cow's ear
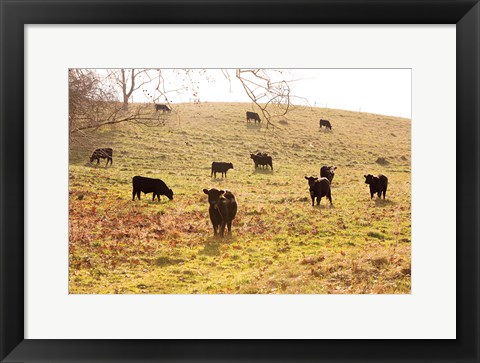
(221, 191)
(365, 176)
(334, 168)
(306, 178)
(205, 191)
(315, 178)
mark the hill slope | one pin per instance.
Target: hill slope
(280, 243)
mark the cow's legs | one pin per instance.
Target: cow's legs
(329, 196)
(138, 194)
(133, 194)
(229, 226)
(222, 229)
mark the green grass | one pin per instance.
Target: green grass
(280, 243)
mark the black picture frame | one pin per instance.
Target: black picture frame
(15, 14)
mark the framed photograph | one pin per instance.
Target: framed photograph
(340, 233)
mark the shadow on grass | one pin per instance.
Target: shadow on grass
(167, 261)
(96, 166)
(212, 245)
(324, 206)
(162, 201)
(325, 130)
(253, 126)
(383, 202)
(261, 170)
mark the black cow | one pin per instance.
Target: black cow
(163, 108)
(103, 153)
(253, 116)
(261, 159)
(220, 167)
(328, 172)
(222, 210)
(319, 188)
(148, 185)
(325, 123)
(378, 184)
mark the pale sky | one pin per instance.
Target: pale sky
(382, 91)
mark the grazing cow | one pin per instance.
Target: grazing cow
(149, 185)
(328, 172)
(222, 210)
(319, 188)
(253, 116)
(103, 153)
(220, 167)
(261, 159)
(325, 123)
(378, 184)
(163, 108)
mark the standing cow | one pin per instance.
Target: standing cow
(319, 188)
(378, 184)
(328, 172)
(220, 167)
(148, 185)
(262, 159)
(103, 153)
(253, 116)
(325, 123)
(222, 210)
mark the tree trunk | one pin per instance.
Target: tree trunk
(124, 91)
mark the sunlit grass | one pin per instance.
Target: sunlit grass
(280, 243)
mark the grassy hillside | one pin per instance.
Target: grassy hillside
(280, 243)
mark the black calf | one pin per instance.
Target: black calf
(377, 184)
(222, 210)
(319, 188)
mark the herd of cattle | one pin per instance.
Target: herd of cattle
(222, 203)
(255, 117)
(250, 115)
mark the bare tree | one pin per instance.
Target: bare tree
(157, 90)
(94, 102)
(98, 98)
(129, 80)
(268, 89)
